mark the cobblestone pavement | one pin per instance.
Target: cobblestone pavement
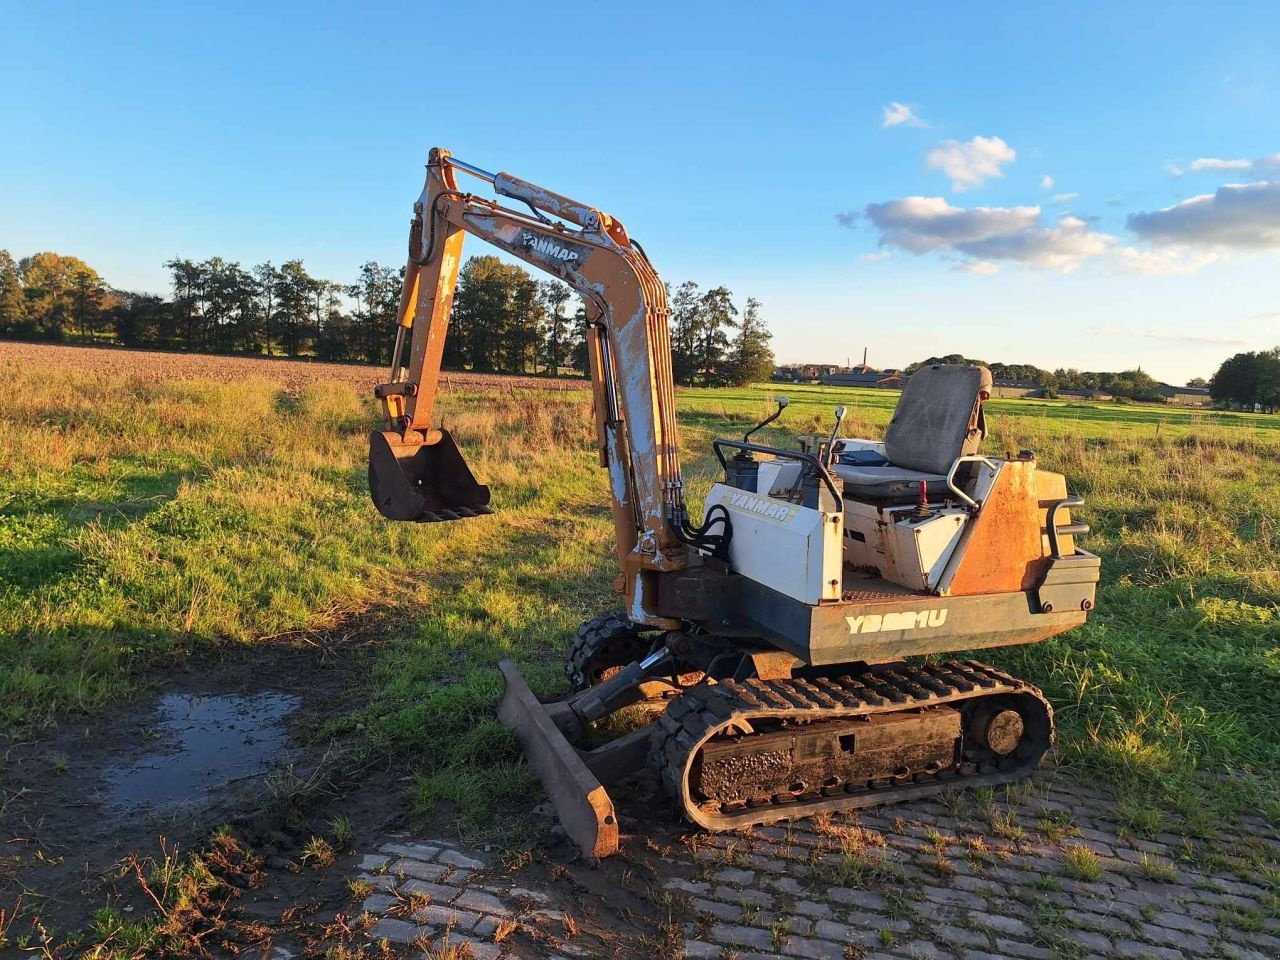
(1040, 870)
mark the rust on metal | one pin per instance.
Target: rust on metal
(1003, 552)
(583, 804)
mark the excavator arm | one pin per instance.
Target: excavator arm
(416, 471)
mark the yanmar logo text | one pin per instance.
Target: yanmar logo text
(907, 620)
(549, 248)
(757, 505)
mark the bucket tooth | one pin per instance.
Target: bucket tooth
(581, 801)
(423, 477)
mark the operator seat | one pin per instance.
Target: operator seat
(939, 418)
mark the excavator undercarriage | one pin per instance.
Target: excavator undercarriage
(767, 645)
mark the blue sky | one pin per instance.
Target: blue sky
(1089, 185)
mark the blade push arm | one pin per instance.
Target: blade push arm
(628, 346)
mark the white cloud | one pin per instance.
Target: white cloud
(848, 219)
(970, 164)
(1046, 182)
(900, 114)
(983, 268)
(1195, 338)
(1259, 166)
(1064, 197)
(1209, 163)
(1165, 262)
(1236, 215)
(877, 256)
(922, 225)
(1271, 317)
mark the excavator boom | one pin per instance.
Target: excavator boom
(416, 471)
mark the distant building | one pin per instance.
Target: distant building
(806, 372)
(1087, 393)
(862, 377)
(1189, 396)
(1007, 389)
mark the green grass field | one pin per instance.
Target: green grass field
(143, 518)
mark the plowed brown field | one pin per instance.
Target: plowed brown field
(291, 375)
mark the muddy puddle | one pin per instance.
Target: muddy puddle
(201, 743)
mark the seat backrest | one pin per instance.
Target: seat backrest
(939, 417)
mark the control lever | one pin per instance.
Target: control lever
(782, 405)
(835, 431)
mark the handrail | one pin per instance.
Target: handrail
(808, 458)
(951, 478)
(1070, 529)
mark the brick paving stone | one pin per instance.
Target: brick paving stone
(417, 851)
(441, 916)
(453, 858)
(1173, 938)
(486, 926)
(1133, 950)
(1094, 941)
(925, 950)
(1003, 924)
(741, 936)
(811, 909)
(756, 898)
(379, 881)
(735, 876)
(725, 911)
(397, 931)
(863, 899)
(701, 950)
(687, 886)
(788, 885)
(961, 935)
(976, 885)
(1109, 908)
(422, 888)
(1180, 921)
(417, 869)
(377, 903)
(811, 949)
(480, 902)
(960, 898)
(1025, 951)
(370, 862)
(1236, 952)
(1098, 921)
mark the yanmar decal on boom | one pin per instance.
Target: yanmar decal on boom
(570, 255)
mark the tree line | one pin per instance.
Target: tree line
(1132, 384)
(503, 320)
(1249, 380)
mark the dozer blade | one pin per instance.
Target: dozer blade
(422, 481)
(581, 802)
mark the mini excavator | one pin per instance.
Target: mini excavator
(767, 641)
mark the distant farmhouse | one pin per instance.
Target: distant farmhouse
(864, 376)
(1191, 396)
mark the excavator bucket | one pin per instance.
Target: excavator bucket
(581, 801)
(422, 481)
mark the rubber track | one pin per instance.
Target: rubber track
(708, 709)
